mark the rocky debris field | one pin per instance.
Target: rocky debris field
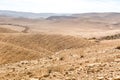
(97, 62)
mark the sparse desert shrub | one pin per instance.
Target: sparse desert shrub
(93, 38)
(110, 37)
(118, 47)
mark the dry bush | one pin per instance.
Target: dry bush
(118, 47)
(111, 37)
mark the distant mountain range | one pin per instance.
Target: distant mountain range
(54, 16)
(28, 14)
(102, 15)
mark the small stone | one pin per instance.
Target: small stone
(100, 78)
(34, 79)
(117, 78)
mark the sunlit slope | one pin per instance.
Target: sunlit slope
(13, 53)
(52, 43)
(101, 60)
(6, 30)
(19, 47)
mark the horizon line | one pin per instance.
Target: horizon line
(59, 13)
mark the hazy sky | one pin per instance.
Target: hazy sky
(61, 6)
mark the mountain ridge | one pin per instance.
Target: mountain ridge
(31, 15)
(18, 14)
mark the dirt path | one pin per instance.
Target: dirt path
(26, 28)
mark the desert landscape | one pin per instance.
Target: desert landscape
(60, 47)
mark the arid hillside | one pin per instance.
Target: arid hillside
(37, 44)
(6, 30)
(60, 48)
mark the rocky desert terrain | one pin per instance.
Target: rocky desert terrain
(78, 47)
